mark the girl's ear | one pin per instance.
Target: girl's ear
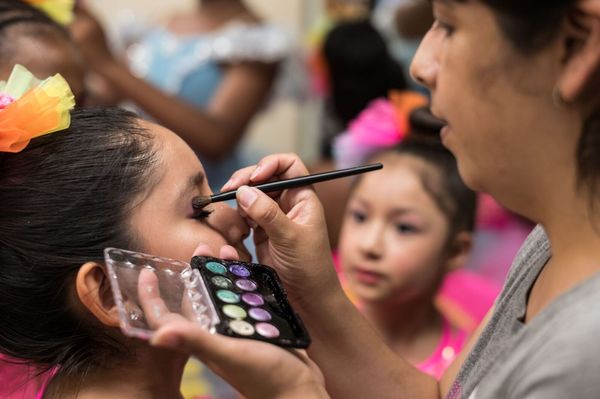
(582, 51)
(460, 250)
(94, 292)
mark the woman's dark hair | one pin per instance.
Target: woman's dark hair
(20, 19)
(64, 199)
(360, 69)
(531, 25)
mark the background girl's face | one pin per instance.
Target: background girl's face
(394, 236)
(164, 222)
(496, 101)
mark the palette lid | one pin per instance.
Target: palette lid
(146, 288)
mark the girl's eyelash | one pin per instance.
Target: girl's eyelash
(202, 213)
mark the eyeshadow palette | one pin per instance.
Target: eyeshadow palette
(238, 299)
(251, 302)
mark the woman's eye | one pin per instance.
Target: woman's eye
(447, 28)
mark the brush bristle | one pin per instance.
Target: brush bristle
(200, 202)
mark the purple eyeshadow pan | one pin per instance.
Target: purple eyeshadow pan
(259, 314)
(267, 330)
(246, 285)
(253, 299)
(239, 270)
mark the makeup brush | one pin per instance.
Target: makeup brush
(201, 202)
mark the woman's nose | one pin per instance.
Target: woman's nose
(229, 223)
(425, 64)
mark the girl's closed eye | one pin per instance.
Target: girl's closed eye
(200, 213)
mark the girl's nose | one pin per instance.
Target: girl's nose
(371, 245)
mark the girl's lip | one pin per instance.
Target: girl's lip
(367, 277)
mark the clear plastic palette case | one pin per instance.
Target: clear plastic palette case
(238, 299)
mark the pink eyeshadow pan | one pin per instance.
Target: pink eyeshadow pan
(267, 330)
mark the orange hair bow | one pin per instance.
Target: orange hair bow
(31, 108)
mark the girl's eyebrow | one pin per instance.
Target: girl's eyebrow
(193, 182)
(404, 211)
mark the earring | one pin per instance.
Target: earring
(557, 98)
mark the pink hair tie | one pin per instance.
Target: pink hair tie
(383, 124)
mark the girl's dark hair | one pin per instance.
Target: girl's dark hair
(64, 199)
(30, 21)
(360, 69)
(531, 25)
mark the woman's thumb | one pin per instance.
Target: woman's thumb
(263, 211)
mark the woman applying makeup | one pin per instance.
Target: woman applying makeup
(516, 83)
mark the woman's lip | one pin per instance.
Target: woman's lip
(368, 277)
(445, 131)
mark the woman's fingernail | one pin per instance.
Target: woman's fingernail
(255, 173)
(227, 185)
(246, 196)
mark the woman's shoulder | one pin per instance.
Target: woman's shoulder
(556, 354)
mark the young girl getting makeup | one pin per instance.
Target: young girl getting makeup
(109, 179)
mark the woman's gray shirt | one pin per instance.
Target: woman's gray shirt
(555, 355)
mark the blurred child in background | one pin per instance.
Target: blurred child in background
(406, 228)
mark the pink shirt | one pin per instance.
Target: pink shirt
(19, 381)
(450, 345)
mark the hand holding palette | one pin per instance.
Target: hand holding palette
(238, 299)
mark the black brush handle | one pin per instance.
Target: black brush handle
(300, 181)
